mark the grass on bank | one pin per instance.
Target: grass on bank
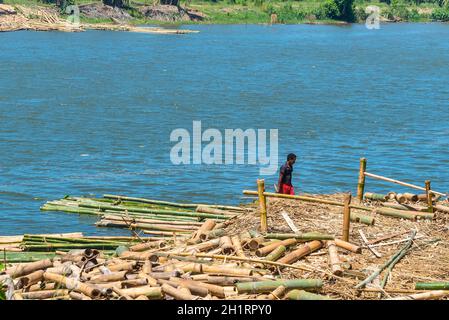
(290, 12)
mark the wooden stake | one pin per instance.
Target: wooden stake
(361, 184)
(262, 205)
(429, 196)
(346, 217)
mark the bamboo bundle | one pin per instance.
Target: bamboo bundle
(155, 211)
(301, 252)
(268, 286)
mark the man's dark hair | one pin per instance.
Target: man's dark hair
(291, 156)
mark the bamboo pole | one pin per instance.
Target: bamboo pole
(277, 294)
(348, 246)
(269, 248)
(177, 293)
(304, 198)
(375, 196)
(431, 295)
(361, 182)
(302, 251)
(276, 253)
(411, 196)
(432, 286)
(226, 245)
(207, 226)
(268, 286)
(303, 236)
(334, 260)
(148, 291)
(77, 285)
(391, 262)
(24, 269)
(409, 215)
(304, 295)
(346, 217)
(401, 183)
(44, 294)
(262, 205)
(429, 196)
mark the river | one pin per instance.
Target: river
(91, 113)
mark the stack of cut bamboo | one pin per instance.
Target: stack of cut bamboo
(154, 217)
(202, 266)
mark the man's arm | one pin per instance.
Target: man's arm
(281, 176)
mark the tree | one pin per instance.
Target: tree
(170, 2)
(114, 3)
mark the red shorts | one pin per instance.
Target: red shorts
(286, 189)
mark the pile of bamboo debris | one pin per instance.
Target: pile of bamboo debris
(38, 18)
(215, 252)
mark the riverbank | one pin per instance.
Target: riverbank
(200, 252)
(220, 12)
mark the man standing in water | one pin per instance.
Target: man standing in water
(285, 176)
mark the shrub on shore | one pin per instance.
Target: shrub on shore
(441, 14)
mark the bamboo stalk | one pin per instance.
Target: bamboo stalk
(409, 215)
(176, 293)
(361, 182)
(391, 262)
(375, 196)
(346, 217)
(411, 196)
(431, 295)
(302, 251)
(207, 226)
(304, 295)
(268, 286)
(148, 291)
(262, 205)
(269, 248)
(156, 212)
(277, 294)
(429, 196)
(30, 279)
(226, 245)
(334, 260)
(347, 246)
(276, 253)
(44, 294)
(78, 286)
(401, 183)
(24, 269)
(147, 245)
(303, 236)
(213, 289)
(432, 286)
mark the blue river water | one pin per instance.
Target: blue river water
(91, 113)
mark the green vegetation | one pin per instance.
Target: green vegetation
(286, 11)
